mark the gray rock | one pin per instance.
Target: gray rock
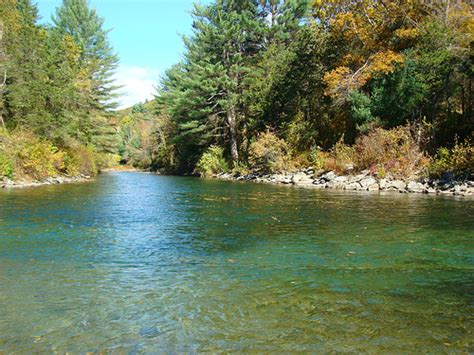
(373, 187)
(301, 179)
(396, 185)
(329, 176)
(459, 189)
(431, 190)
(338, 183)
(356, 178)
(414, 186)
(341, 179)
(367, 181)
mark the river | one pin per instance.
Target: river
(140, 263)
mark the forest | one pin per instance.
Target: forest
(265, 86)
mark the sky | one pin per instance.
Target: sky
(146, 34)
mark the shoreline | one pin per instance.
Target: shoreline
(7, 183)
(364, 181)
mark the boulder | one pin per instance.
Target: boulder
(460, 188)
(329, 176)
(397, 185)
(338, 183)
(367, 181)
(373, 187)
(414, 186)
(301, 179)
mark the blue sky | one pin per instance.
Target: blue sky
(145, 34)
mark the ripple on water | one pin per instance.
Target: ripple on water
(140, 263)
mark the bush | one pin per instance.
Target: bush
(240, 169)
(317, 158)
(6, 166)
(212, 162)
(392, 152)
(80, 159)
(459, 161)
(106, 160)
(269, 154)
(35, 157)
(339, 157)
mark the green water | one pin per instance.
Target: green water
(141, 263)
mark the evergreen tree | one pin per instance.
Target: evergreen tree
(98, 61)
(204, 94)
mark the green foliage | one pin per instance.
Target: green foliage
(6, 166)
(269, 154)
(57, 87)
(35, 157)
(77, 19)
(80, 160)
(240, 169)
(212, 162)
(317, 158)
(458, 160)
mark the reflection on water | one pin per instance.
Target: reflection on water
(141, 263)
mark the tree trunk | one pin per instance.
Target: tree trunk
(232, 122)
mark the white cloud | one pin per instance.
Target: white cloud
(138, 84)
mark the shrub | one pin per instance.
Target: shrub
(35, 157)
(392, 152)
(269, 154)
(317, 158)
(80, 159)
(339, 157)
(106, 160)
(459, 161)
(240, 169)
(212, 162)
(6, 166)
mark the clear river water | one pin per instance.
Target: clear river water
(139, 263)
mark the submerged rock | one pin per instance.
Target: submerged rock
(149, 332)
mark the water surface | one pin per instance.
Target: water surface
(142, 263)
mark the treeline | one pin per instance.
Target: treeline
(273, 85)
(56, 91)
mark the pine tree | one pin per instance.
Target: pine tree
(205, 92)
(97, 59)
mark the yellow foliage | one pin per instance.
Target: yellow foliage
(341, 80)
(270, 154)
(24, 155)
(407, 33)
(384, 62)
(334, 78)
(389, 151)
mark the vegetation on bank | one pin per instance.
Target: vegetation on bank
(25, 155)
(266, 86)
(56, 94)
(338, 85)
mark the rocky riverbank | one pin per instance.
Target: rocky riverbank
(22, 183)
(363, 181)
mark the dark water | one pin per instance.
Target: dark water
(142, 263)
